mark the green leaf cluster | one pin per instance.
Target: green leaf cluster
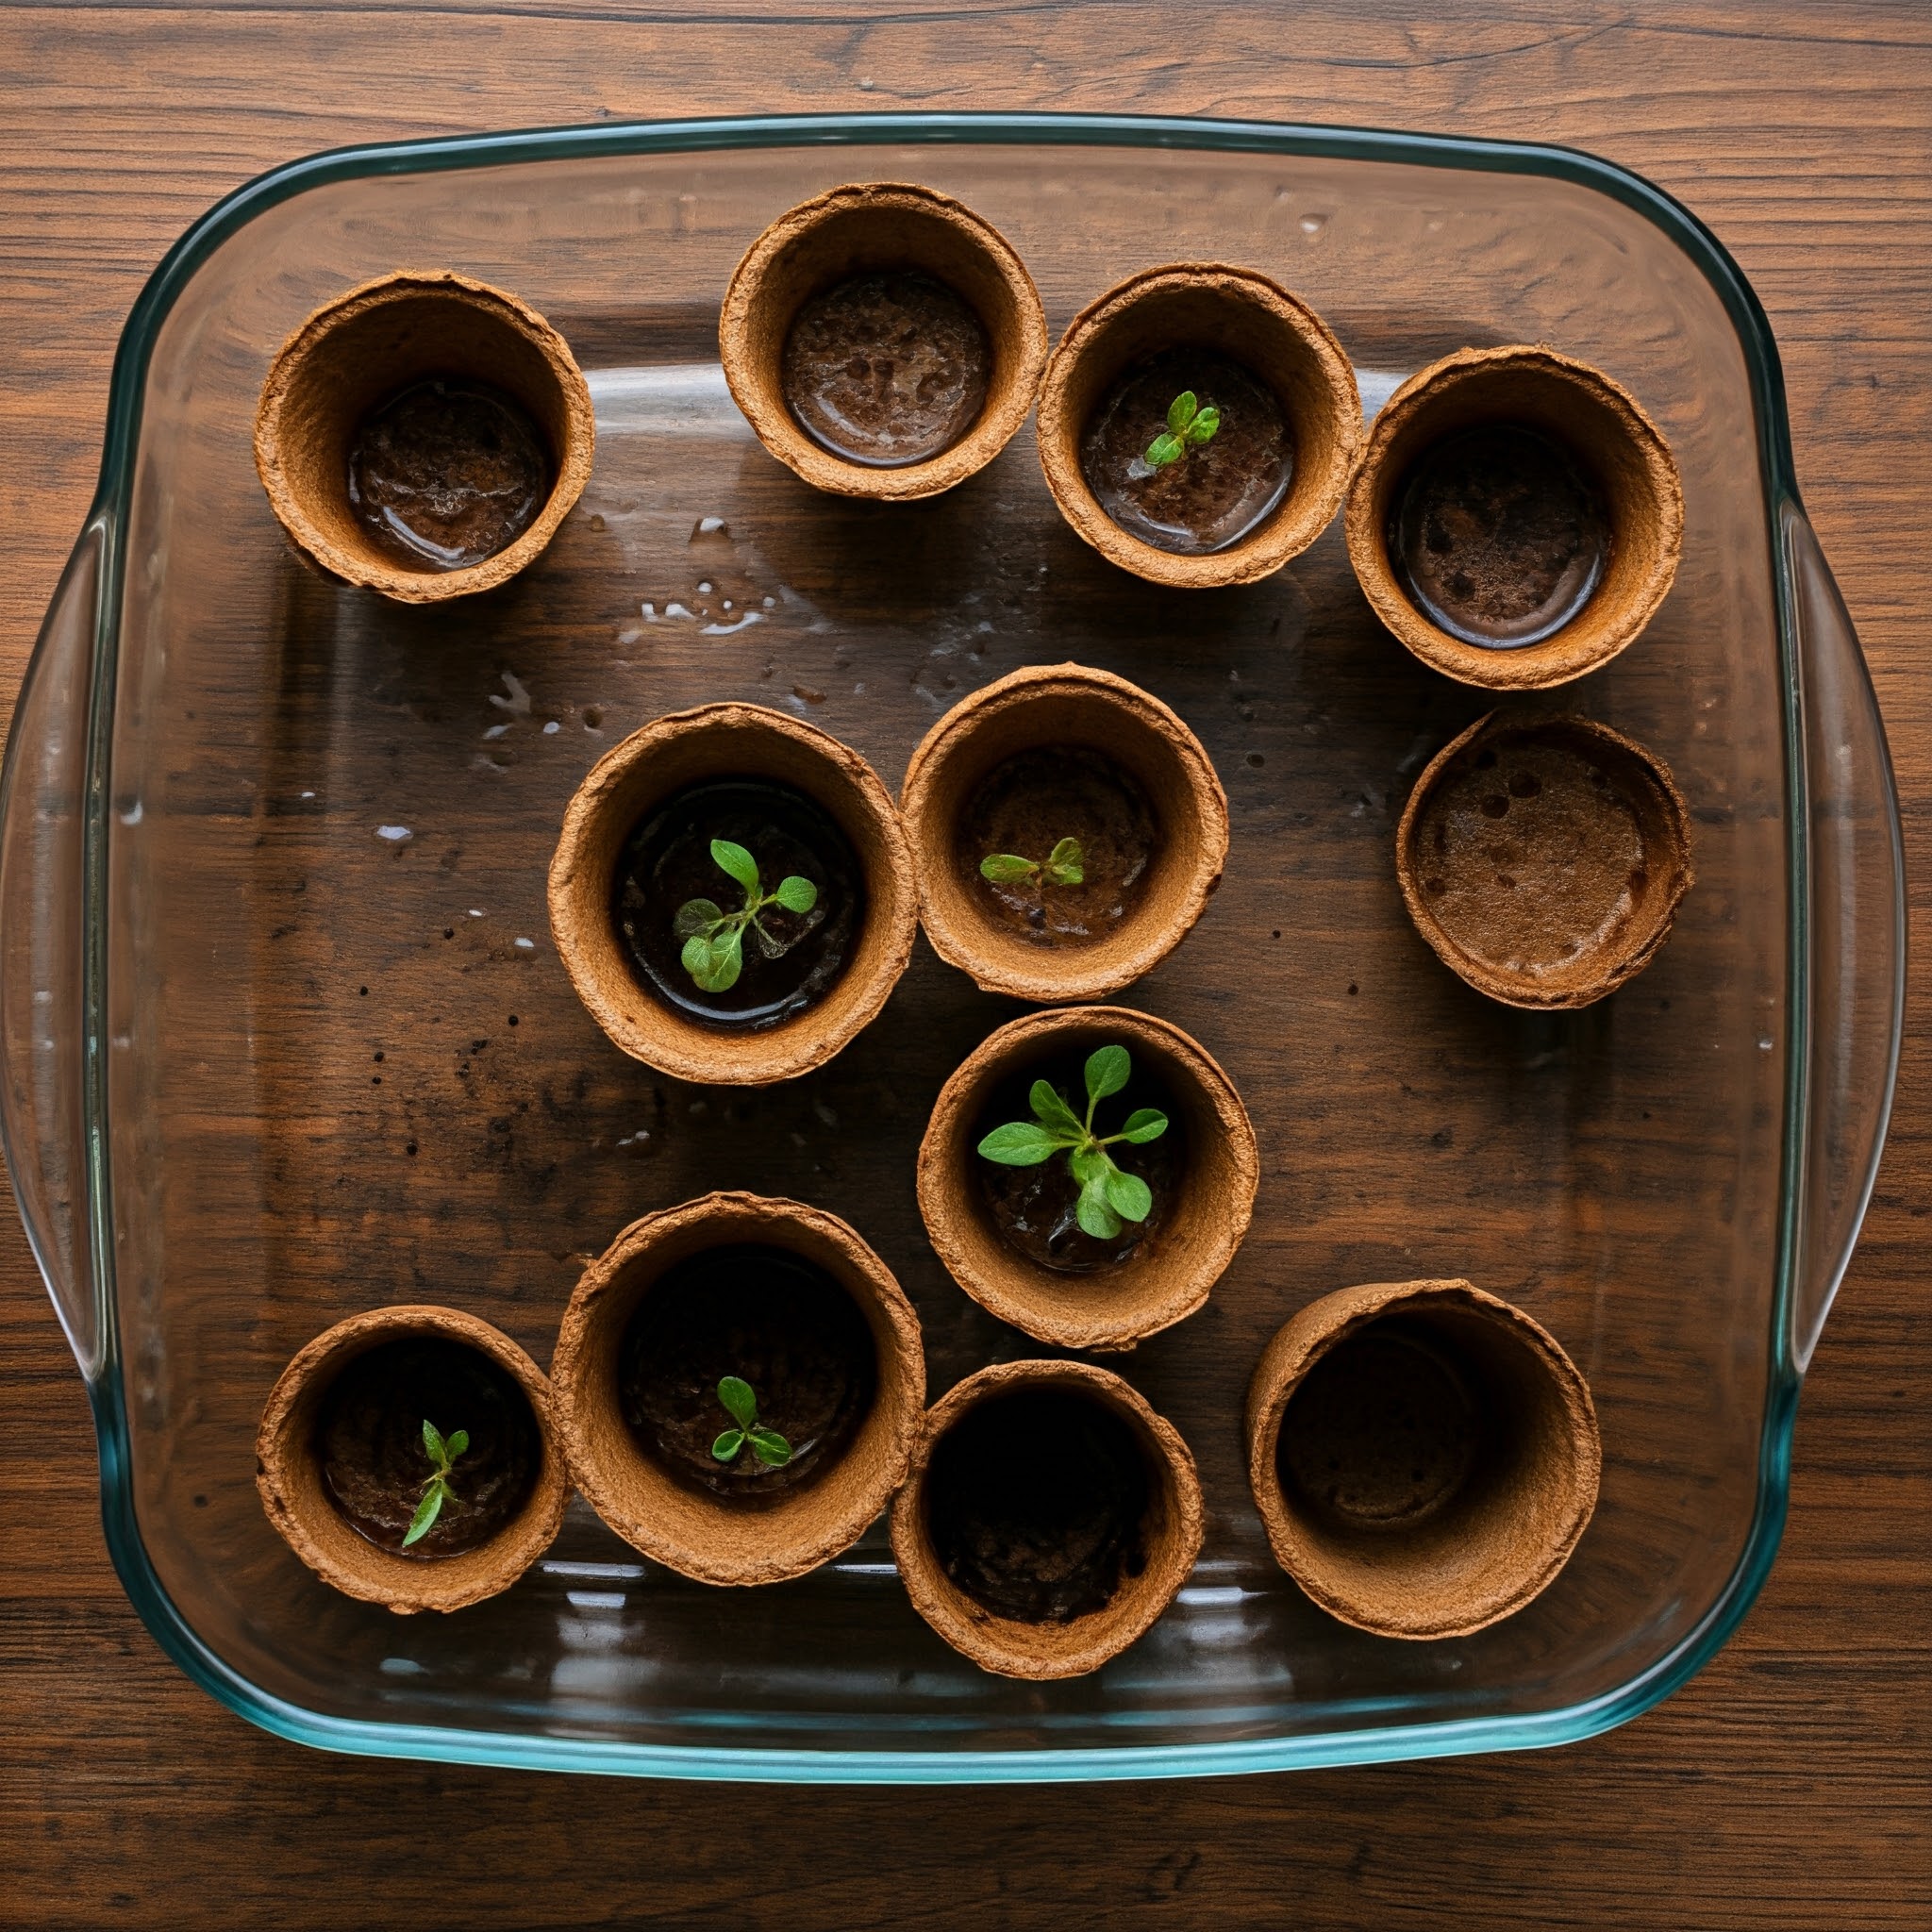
(1108, 1196)
(1065, 865)
(442, 1452)
(742, 1405)
(714, 939)
(1189, 425)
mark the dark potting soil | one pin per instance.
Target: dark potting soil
(886, 369)
(1497, 535)
(369, 1443)
(1033, 1207)
(776, 1321)
(1219, 491)
(1025, 807)
(1037, 1504)
(447, 472)
(798, 957)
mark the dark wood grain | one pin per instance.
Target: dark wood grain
(1790, 1785)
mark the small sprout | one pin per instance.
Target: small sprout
(1189, 425)
(768, 1446)
(714, 939)
(1107, 1195)
(1063, 866)
(442, 1452)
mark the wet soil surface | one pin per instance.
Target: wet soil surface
(798, 957)
(369, 1443)
(1037, 1504)
(777, 1322)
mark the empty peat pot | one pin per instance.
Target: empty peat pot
(1049, 1517)
(883, 341)
(637, 851)
(793, 1303)
(1229, 509)
(1424, 1456)
(1517, 518)
(1545, 858)
(344, 1466)
(1010, 1236)
(1046, 755)
(424, 436)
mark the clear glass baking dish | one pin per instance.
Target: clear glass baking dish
(268, 1064)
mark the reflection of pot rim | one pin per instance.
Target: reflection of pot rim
(1663, 823)
(823, 241)
(1278, 337)
(665, 756)
(520, 355)
(1554, 1474)
(295, 1498)
(700, 1535)
(1603, 427)
(1006, 1647)
(1064, 704)
(1111, 1309)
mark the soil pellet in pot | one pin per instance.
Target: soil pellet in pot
(1037, 1504)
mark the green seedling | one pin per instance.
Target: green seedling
(1108, 1196)
(768, 1446)
(442, 1452)
(1062, 866)
(1189, 426)
(714, 939)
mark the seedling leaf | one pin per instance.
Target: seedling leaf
(427, 1513)
(458, 1444)
(741, 1404)
(1065, 864)
(796, 895)
(1180, 412)
(1128, 1195)
(697, 915)
(1093, 1213)
(1163, 450)
(1006, 868)
(1052, 1111)
(729, 1444)
(1019, 1144)
(1143, 1124)
(1203, 427)
(433, 1442)
(1106, 1071)
(771, 1448)
(739, 864)
(723, 960)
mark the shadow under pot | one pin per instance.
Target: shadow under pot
(1198, 424)
(1517, 518)
(1068, 830)
(1088, 1176)
(739, 1383)
(1049, 1517)
(732, 895)
(1424, 1456)
(411, 1458)
(1545, 858)
(424, 436)
(882, 340)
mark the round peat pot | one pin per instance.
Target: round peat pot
(424, 436)
(1424, 1456)
(1059, 752)
(786, 1299)
(1049, 1517)
(1517, 518)
(1228, 510)
(636, 849)
(342, 1462)
(1545, 858)
(883, 341)
(1008, 1234)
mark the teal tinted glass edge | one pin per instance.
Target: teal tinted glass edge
(1531, 1730)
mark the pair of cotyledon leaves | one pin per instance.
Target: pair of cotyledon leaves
(1189, 425)
(768, 1446)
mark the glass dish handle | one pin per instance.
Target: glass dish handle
(1858, 923)
(43, 1035)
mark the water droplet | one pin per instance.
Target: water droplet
(397, 835)
(528, 945)
(1313, 225)
(553, 726)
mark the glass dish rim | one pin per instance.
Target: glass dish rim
(106, 522)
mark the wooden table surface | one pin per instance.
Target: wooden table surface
(1791, 1784)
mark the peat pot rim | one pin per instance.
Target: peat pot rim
(1663, 823)
(698, 1535)
(296, 1503)
(1171, 1277)
(681, 749)
(1603, 425)
(846, 231)
(1056, 704)
(1423, 1582)
(1006, 1646)
(308, 411)
(1281, 340)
